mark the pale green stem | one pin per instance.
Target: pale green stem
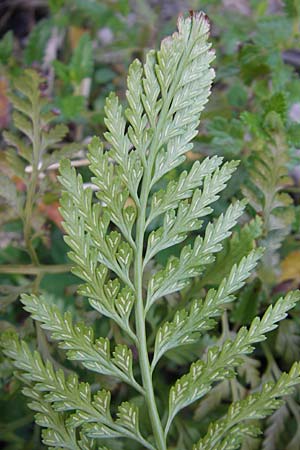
(140, 321)
(28, 216)
(33, 181)
(138, 269)
(226, 335)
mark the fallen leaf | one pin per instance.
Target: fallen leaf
(75, 34)
(290, 267)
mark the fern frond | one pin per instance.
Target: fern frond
(228, 432)
(221, 361)
(181, 75)
(55, 433)
(80, 343)
(188, 324)
(112, 192)
(275, 428)
(130, 164)
(83, 221)
(110, 248)
(192, 260)
(34, 143)
(177, 225)
(265, 189)
(34, 122)
(238, 246)
(91, 413)
(182, 189)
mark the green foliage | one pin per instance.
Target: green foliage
(73, 75)
(114, 238)
(220, 362)
(268, 177)
(33, 146)
(79, 341)
(81, 63)
(52, 393)
(252, 116)
(228, 432)
(186, 326)
(31, 119)
(37, 41)
(6, 47)
(239, 245)
(259, 124)
(291, 8)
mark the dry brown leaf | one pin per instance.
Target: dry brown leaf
(75, 34)
(290, 267)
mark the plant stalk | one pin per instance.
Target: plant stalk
(33, 182)
(31, 269)
(158, 431)
(28, 216)
(140, 321)
(226, 335)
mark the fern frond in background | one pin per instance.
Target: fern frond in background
(33, 145)
(268, 177)
(29, 157)
(111, 250)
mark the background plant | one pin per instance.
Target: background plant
(243, 41)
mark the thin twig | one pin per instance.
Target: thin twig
(55, 166)
(31, 269)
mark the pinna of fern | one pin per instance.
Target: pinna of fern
(110, 249)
